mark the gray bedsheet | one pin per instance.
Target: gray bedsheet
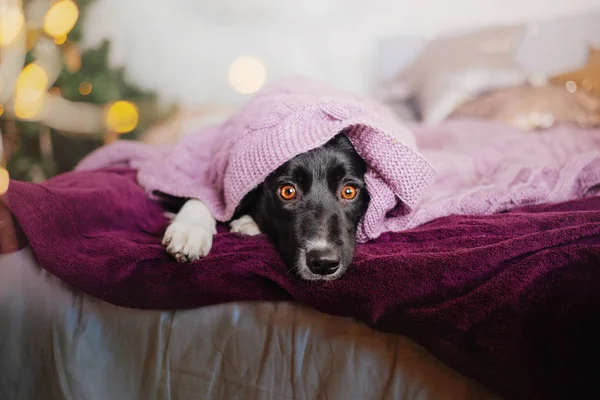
(59, 344)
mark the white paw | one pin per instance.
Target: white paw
(245, 225)
(169, 215)
(187, 240)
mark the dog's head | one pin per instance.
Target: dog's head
(310, 208)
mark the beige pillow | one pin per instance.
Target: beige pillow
(531, 107)
(452, 70)
(586, 78)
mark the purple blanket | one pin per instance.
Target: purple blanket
(480, 167)
(510, 299)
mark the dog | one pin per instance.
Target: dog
(309, 208)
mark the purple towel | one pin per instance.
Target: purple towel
(512, 300)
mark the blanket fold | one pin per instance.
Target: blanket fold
(508, 299)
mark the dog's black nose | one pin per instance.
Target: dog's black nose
(322, 262)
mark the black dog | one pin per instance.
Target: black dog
(310, 208)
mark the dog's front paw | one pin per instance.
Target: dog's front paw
(245, 225)
(187, 241)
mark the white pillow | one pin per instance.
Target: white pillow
(453, 69)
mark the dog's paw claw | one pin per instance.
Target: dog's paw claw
(245, 225)
(187, 242)
(181, 258)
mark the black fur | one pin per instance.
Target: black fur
(317, 213)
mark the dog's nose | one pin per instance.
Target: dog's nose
(323, 262)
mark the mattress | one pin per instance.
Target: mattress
(58, 343)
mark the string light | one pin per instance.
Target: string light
(61, 18)
(28, 108)
(85, 88)
(122, 117)
(11, 23)
(32, 82)
(32, 37)
(4, 181)
(60, 39)
(30, 91)
(247, 75)
(72, 57)
(571, 86)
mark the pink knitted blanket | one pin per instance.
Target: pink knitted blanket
(482, 168)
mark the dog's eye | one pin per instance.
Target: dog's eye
(349, 192)
(287, 192)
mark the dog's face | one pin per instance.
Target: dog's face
(310, 208)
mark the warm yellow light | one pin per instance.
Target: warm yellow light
(28, 108)
(72, 58)
(11, 22)
(122, 117)
(32, 83)
(32, 37)
(54, 91)
(30, 91)
(85, 88)
(61, 18)
(247, 75)
(1, 110)
(60, 39)
(4, 181)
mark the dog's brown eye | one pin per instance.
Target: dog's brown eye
(349, 192)
(287, 192)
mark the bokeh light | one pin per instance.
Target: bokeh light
(32, 82)
(72, 57)
(247, 75)
(30, 91)
(1, 110)
(4, 181)
(85, 88)
(28, 108)
(60, 39)
(122, 117)
(61, 18)
(33, 35)
(11, 23)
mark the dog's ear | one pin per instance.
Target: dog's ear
(341, 141)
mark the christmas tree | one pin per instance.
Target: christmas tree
(57, 101)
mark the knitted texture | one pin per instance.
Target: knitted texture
(483, 168)
(222, 164)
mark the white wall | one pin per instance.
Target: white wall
(183, 48)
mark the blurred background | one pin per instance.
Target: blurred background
(77, 74)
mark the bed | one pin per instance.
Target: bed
(488, 290)
(507, 300)
(58, 343)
